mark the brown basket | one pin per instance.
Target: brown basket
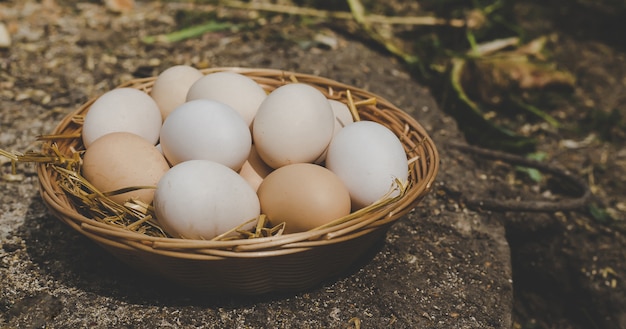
(283, 263)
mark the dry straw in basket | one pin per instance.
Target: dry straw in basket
(255, 262)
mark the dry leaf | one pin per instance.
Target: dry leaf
(120, 6)
(5, 37)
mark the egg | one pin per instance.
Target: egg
(122, 109)
(343, 117)
(170, 88)
(304, 196)
(208, 130)
(201, 199)
(120, 160)
(294, 124)
(254, 170)
(368, 157)
(236, 90)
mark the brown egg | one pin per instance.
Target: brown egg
(304, 196)
(119, 160)
(254, 170)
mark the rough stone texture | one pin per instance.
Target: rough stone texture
(442, 266)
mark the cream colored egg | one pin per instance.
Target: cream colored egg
(122, 110)
(121, 160)
(172, 85)
(294, 124)
(254, 170)
(236, 90)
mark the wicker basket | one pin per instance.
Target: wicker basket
(283, 263)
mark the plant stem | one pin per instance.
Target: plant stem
(303, 11)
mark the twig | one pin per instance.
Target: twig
(530, 206)
(358, 13)
(304, 11)
(491, 47)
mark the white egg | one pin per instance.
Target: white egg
(343, 117)
(236, 90)
(171, 86)
(201, 199)
(122, 110)
(294, 124)
(207, 130)
(367, 157)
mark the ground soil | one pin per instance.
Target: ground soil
(568, 267)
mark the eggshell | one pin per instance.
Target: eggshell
(206, 129)
(238, 91)
(367, 157)
(201, 199)
(304, 196)
(343, 117)
(122, 109)
(294, 124)
(254, 170)
(119, 160)
(171, 87)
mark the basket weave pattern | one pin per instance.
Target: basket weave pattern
(283, 263)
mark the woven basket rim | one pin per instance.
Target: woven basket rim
(261, 246)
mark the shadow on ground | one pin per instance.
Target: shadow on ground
(70, 259)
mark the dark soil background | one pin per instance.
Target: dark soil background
(569, 273)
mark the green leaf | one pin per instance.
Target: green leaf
(533, 173)
(600, 214)
(190, 32)
(536, 111)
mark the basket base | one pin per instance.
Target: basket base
(288, 273)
